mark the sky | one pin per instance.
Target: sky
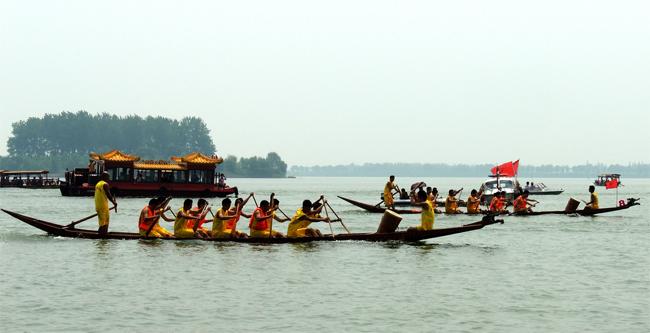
(340, 82)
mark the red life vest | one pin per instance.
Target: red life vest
(520, 203)
(195, 212)
(143, 224)
(259, 225)
(494, 203)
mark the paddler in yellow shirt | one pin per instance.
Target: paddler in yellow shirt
(474, 203)
(184, 215)
(451, 203)
(225, 220)
(298, 227)
(102, 196)
(593, 199)
(388, 192)
(428, 214)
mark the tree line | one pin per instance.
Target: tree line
(62, 141)
(636, 170)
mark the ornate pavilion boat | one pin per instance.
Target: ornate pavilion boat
(192, 175)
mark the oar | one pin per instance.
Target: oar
(283, 213)
(72, 224)
(382, 200)
(237, 214)
(155, 221)
(329, 222)
(337, 216)
(271, 225)
(255, 200)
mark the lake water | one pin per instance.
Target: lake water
(531, 274)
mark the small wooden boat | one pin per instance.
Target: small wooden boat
(409, 235)
(584, 212)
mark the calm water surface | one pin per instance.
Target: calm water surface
(531, 274)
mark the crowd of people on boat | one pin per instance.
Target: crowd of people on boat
(497, 204)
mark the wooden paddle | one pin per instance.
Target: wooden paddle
(72, 224)
(271, 211)
(237, 214)
(337, 216)
(328, 220)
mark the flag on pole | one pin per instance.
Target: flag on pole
(508, 169)
(611, 184)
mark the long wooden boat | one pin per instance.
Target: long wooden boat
(378, 209)
(584, 212)
(404, 236)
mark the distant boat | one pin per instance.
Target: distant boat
(291, 176)
(541, 189)
(605, 177)
(27, 179)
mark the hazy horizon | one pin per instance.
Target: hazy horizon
(340, 82)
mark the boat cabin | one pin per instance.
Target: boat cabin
(194, 174)
(497, 184)
(605, 177)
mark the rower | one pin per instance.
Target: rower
(593, 202)
(226, 218)
(428, 214)
(261, 219)
(474, 203)
(388, 192)
(497, 204)
(302, 219)
(200, 205)
(451, 203)
(522, 204)
(181, 227)
(150, 214)
(403, 194)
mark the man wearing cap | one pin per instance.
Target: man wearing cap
(102, 196)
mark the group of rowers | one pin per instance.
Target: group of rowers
(189, 221)
(497, 204)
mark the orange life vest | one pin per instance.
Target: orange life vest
(261, 224)
(143, 224)
(195, 212)
(520, 203)
(230, 224)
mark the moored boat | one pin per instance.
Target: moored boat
(409, 235)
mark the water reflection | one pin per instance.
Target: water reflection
(305, 247)
(103, 247)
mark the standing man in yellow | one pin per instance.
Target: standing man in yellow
(102, 196)
(388, 192)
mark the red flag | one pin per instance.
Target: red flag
(611, 184)
(508, 169)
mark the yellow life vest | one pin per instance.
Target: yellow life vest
(594, 200)
(473, 204)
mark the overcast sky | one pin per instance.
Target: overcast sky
(338, 82)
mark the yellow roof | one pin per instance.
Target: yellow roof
(115, 155)
(158, 165)
(198, 158)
